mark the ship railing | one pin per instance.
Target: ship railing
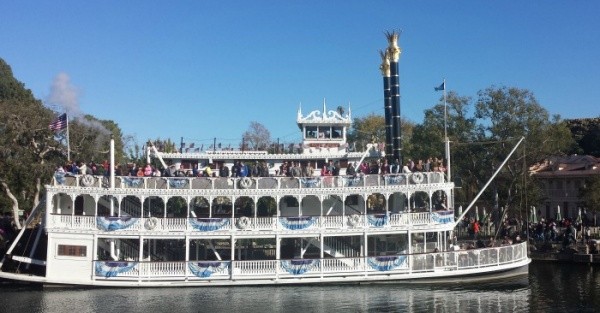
(126, 223)
(250, 183)
(383, 265)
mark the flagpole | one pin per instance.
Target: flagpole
(446, 140)
(68, 143)
(445, 113)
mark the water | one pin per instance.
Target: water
(550, 287)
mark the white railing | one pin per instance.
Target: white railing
(455, 261)
(289, 223)
(220, 183)
(332, 221)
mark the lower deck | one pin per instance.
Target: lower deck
(207, 267)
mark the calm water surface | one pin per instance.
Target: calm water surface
(550, 287)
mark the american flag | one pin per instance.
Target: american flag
(59, 123)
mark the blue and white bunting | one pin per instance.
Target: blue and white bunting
(205, 269)
(387, 263)
(299, 266)
(209, 224)
(109, 223)
(113, 268)
(297, 222)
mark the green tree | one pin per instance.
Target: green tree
(428, 138)
(28, 151)
(90, 140)
(590, 193)
(586, 132)
(371, 129)
(504, 115)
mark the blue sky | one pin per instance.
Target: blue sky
(204, 69)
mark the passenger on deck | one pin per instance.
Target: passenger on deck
(351, 171)
(385, 168)
(405, 169)
(180, 172)
(140, 172)
(224, 170)
(148, 170)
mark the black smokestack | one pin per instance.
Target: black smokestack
(393, 52)
(385, 72)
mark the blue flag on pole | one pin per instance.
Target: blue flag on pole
(441, 87)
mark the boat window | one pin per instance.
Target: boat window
(337, 132)
(311, 132)
(71, 250)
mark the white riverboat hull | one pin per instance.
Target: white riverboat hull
(436, 275)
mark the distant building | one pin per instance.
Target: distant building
(561, 178)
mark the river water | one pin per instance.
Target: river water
(549, 287)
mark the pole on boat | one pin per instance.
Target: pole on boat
(68, 141)
(446, 139)
(442, 87)
(459, 219)
(112, 162)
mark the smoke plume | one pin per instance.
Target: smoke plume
(66, 96)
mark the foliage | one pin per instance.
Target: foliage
(590, 193)
(371, 129)
(483, 133)
(368, 129)
(586, 132)
(30, 152)
(266, 206)
(459, 127)
(257, 137)
(11, 88)
(506, 114)
(90, 140)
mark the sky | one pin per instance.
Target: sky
(207, 69)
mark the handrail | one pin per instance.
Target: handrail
(283, 182)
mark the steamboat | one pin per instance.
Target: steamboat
(324, 223)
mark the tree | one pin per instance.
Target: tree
(371, 129)
(483, 133)
(590, 193)
(586, 132)
(504, 115)
(90, 140)
(257, 137)
(428, 138)
(28, 151)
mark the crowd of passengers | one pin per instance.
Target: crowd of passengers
(256, 169)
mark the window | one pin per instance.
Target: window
(69, 250)
(337, 132)
(311, 132)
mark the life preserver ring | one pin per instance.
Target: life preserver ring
(245, 182)
(354, 219)
(417, 177)
(243, 222)
(87, 180)
(151, 223)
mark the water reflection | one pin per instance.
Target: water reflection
(549, 287)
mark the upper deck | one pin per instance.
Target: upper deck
(422, 181)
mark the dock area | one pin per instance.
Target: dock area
(578, 253)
